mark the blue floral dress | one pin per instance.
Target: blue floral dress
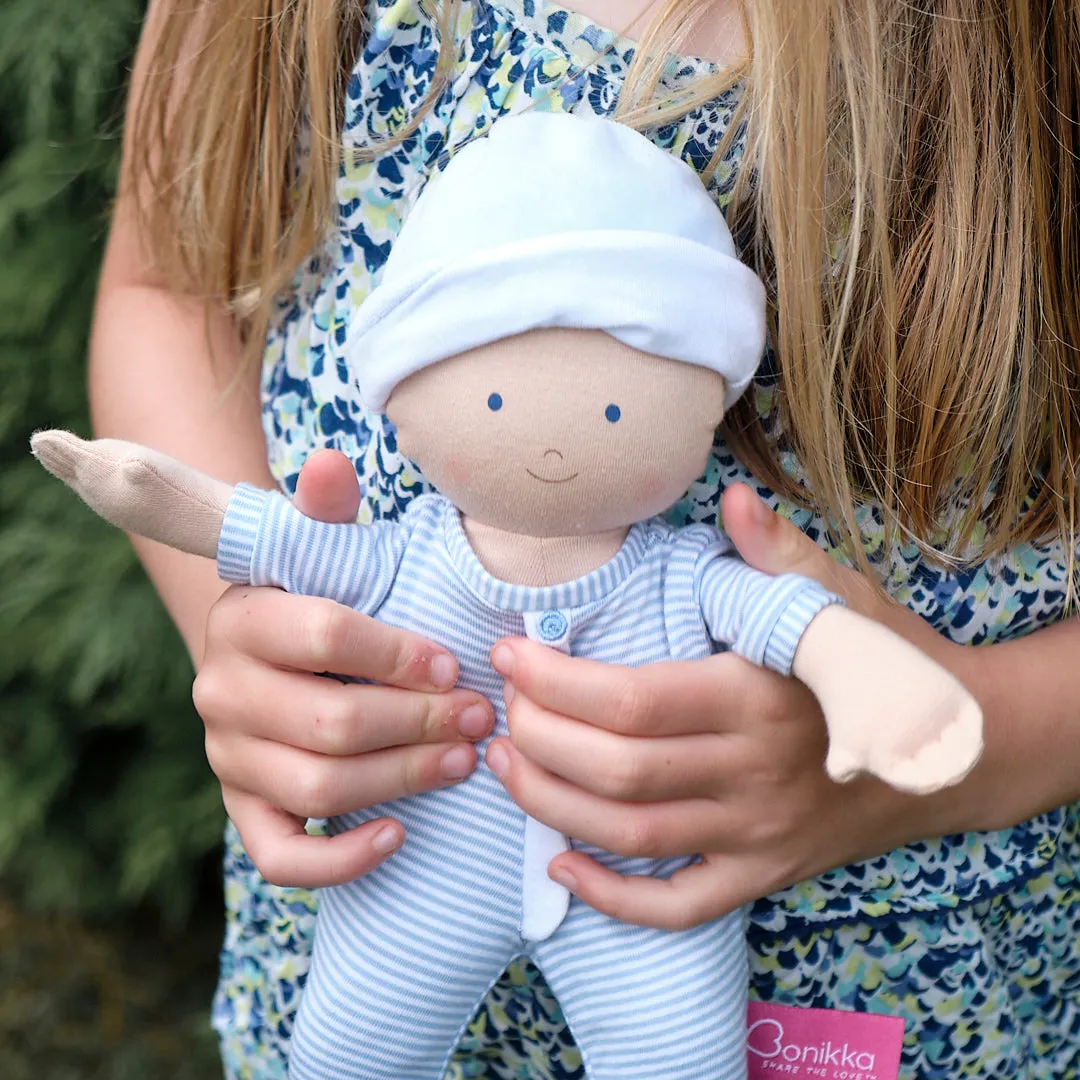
(973, 940)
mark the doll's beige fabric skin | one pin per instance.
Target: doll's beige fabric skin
(890, 710)
(138, 489)
(548, 487)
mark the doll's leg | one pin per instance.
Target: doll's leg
(393, 981)
(651, 1004)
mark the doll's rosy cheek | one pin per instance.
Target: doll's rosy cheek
(650, 486)
(457, 468)
(654, 486)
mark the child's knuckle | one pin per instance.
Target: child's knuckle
(632, 708)
(273, 866)
(314, 789)
(417, 772)
(625, 774)
(767, 829)
(210, 692)
(325, 632)
(687, 912)
(332, 721)
(637, 835)
(403, 658)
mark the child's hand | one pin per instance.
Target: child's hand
(716, 757)
(288, 745)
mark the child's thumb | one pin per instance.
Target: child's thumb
(770, 543)
(327, 488)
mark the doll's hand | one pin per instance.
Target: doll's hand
(717, 757)
(287, 744)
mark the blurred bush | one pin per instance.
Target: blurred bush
(80, 1002)
(106, 801)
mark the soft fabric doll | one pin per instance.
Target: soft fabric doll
(556, 361)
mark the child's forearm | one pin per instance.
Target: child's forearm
(153, 380)
(162, 372)
(1030, 691)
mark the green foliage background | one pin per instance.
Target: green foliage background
(106, 801)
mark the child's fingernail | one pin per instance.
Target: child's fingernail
(564, 878)
(443, 671)
(498, 761)
(508, 693)
(502, 660)
(457, 763)
(474, 722)
(387, 840)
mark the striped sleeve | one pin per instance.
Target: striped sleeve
(265, 540)
(761, 617)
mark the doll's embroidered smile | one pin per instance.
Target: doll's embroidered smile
(545, 480)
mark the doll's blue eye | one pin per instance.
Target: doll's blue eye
(495, 402)
(613, 412)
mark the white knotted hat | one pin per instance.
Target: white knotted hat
(554, 220)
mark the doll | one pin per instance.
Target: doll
(556, 362)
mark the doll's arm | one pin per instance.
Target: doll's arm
(138, 489)
(257, 537)
(265, 540)
(890, 710)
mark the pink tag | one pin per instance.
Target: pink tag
(822, 1043)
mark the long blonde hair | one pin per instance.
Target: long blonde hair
(912, 179)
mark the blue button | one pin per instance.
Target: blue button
(553, 625)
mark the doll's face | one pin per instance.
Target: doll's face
(559, 432)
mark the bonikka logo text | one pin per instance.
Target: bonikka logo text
(767, 1039)
(822, 1044)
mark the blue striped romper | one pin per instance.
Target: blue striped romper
(404, 955)
(974, 940)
